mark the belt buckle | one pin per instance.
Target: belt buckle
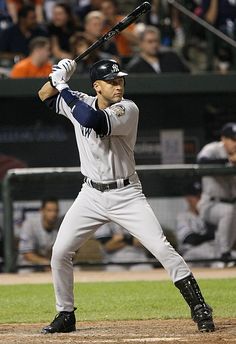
(106, 187)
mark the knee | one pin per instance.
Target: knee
(60, 256)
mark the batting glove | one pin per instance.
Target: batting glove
(58, 79)
(69, 66)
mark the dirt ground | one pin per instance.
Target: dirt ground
(112, 332)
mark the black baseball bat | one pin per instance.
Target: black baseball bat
(123, 24)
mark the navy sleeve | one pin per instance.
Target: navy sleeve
(85, 114)
(206, 160)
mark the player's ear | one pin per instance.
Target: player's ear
(97, 87)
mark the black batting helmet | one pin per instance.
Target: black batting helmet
(105, 70)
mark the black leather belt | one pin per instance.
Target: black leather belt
(106, 186)
(223, 200)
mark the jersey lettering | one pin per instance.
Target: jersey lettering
(85, 131)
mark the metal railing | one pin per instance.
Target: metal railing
(22, 175)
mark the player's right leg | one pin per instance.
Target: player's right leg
(80, 222)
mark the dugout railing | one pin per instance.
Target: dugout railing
(32, 183)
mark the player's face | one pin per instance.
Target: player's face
(50, 213)
(111, 91)
(229, 144)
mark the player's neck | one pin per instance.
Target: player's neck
(102, 103)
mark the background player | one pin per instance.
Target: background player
(217, 204)
(106, 129)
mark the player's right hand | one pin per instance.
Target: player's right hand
(58, 79)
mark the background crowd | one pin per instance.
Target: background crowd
(34, 34)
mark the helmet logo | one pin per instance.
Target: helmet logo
(115, 68)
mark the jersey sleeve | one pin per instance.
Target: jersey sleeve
(211, 154)
(63, 109)
(27, 240)
(122, 117)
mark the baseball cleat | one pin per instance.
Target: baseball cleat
(63, 322)
(202, 315)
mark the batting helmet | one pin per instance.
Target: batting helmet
(105, 70)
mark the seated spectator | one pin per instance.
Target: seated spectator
(217, 204)
(93, 29)
(38, 235)
(167, 19)
(15, 5)
(61, 28)
(14, 41)
(195, 238)
(222, 15)
(80, 43)
(151, 59)
(120, 247)
(127, 39)
(37, 65)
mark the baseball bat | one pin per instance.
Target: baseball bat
(123, 24)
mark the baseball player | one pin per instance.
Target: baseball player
(106, 128)
(217, 204)
(195, 237)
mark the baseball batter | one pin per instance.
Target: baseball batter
(106, 128)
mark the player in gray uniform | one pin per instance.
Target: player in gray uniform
(195, 237)
(106, 128)
(217, 204)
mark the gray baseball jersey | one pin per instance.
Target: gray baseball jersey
(34, 238)
(217, 186)
(217, 192)
(100, 156)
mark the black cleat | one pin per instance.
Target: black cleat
(202, 315)
(63, 322)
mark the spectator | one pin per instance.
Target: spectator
(222, 15)
(5, 18)
(15, 5)
(217, 204)
(37, 65)
(61, 28)
(127, 39)
(79, 43)
(14, 41)
(195, 238)
(167, 19)
(38, 235)
(120, 247)
(93, 29)
(82, 8)
(150, 58)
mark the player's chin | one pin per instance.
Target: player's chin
(117, 98)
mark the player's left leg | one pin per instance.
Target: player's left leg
(137, 217)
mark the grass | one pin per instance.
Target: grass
(114, 301)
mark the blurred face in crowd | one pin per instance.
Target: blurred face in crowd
(30, 20)
(94, 26)
(108, 9)
(229, 144)
(42, 54)
(59, 16)
(150, 43)
(50, 212)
